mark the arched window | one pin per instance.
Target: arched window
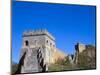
(53, 45)
(47, 41)
(50, 44)
(26, 43)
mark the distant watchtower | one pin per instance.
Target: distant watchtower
(38, 47)
(79, 49)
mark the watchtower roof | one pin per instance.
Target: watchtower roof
(38, 32)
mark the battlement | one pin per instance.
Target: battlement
(38, 33)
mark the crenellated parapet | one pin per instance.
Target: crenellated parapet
(38, 33)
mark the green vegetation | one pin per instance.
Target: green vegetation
(61, 65)
(14, 68)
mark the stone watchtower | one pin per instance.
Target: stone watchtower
(79, 49)
(36, 52)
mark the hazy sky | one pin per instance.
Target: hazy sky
(69, 24)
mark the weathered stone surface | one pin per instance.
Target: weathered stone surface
(38, 51)
(30, 62)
